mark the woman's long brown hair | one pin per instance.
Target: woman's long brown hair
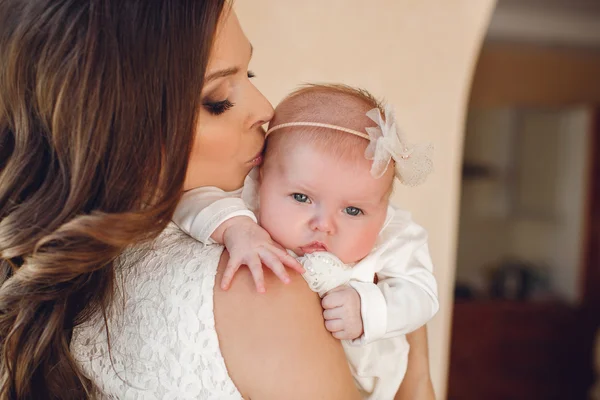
(98, 104)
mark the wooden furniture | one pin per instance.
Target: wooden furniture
(518, 350)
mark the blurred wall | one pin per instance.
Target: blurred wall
(420, 56)
(532, 207)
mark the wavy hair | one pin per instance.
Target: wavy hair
(98, 104)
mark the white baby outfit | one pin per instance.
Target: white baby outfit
(404, 299)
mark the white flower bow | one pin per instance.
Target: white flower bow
(412, 162)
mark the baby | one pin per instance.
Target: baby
(323, 193)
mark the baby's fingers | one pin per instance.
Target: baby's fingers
(255, 266)
(287, 259)
(232, 267)
(333, 313)
(274, 264)
(334, 325)
(342, 335)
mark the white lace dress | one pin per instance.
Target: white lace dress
(163, 342)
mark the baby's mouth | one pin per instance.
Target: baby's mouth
(313, 247)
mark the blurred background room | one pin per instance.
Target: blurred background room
(527, 292)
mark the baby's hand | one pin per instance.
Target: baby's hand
(342, 313)
(251, 245)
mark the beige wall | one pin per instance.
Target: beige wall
(419, 55)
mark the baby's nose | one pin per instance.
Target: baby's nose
(323, 223)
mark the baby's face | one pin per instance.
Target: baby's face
(311, 201)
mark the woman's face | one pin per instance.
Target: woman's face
(229, 135)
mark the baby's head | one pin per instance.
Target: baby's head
(317, 191)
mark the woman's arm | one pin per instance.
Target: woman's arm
(417, 381)
(275, 344)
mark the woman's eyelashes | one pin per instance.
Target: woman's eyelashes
(218, 107)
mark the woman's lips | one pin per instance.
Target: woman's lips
(257, 160)
(313, 247)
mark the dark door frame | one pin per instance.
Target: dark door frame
(590, 305)
(591, 272)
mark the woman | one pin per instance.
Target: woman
(108, 111)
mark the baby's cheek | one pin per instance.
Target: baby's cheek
(265, 218)
(360, 245)
(275, 222)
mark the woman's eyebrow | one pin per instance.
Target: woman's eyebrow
(226, 72)
(222, 73)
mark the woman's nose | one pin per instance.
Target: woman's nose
(262, 109)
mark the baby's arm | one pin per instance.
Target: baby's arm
(211, 215)
(202, 212)
(405, 295)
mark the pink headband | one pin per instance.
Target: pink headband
(413, 163)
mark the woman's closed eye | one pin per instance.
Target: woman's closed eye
(353, 211)
(218, 107)
(300, 198)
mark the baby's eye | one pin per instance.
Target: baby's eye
(353, 211)
(301, 198)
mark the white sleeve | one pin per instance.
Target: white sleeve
(200, 211)
(405, 296)
(373, 310)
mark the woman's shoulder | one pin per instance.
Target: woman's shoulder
(282, 336)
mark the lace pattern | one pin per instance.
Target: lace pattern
(163, 342)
